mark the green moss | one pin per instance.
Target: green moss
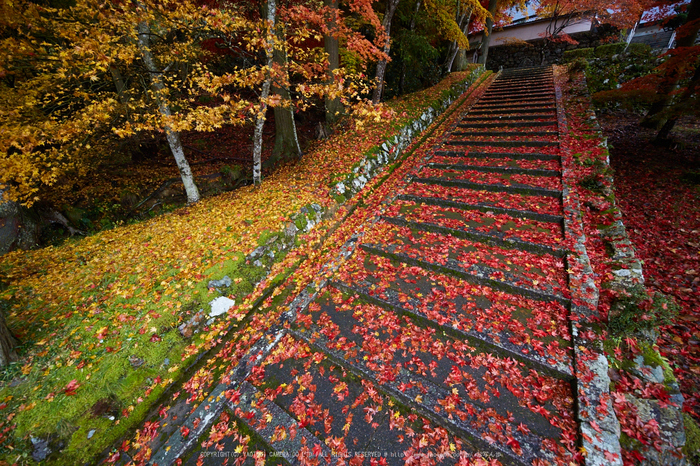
(651, 356)
(609, 345)
(635, 310)
(265, 236)
(630, 444)
(639, 50)
(692, 440)
(571, 55)
(243, 277)
(608, 50)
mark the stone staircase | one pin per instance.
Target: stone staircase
(446, 332)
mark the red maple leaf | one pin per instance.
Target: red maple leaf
(71, 387)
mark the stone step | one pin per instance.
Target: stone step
(525, 79)
(517, 87)
(516, 124)
(524, 190)
(468, 391)
(459, 158)
(266, 418)
(221, 441)
(525, 75)
(528, 69)
(520, 101)
(443, 314)
(514, 109)
(511, 100)
(490, 175)
(518, 97)
(499, 155)
(515, 82)
(350, 409)
(489, 169)
(503, 143)
(532, 91)
(514, 103)
(480, 108)
(477, 275)
(504, 133)
(507, 117)
(517, 113)
(520, 90)
(413, 394)
(545, 205)
(523, 263)
(543, 83)
(515, 213)
(499, 177)
(498, 240)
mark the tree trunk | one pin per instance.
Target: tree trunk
(693, 87)
(118, 83)
(8, 214)
(7, 343)
(19, 228)
(412, 26)
(286, 141)
(655, 117)
(9, 224)
(381, 66)
(334, 108)
(493, 6)
(464, 27)
(260, 119)
(173, 137)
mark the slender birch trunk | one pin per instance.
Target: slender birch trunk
(260, 120)
(381, 66)
(464, 27)
(173, 137)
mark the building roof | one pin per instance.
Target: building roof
(656, 40)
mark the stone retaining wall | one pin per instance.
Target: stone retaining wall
(391, 148)
(534, 53)
(627, 274)
(372, 164)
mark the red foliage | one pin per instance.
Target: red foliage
(663, 220)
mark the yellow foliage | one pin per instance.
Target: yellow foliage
(447, 12)
(79, 81)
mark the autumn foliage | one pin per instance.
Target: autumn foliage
(79, 78)
(119, 295)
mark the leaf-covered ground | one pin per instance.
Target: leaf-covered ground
(426, 316)
(658, 189)
(644, 311)
(98, 317)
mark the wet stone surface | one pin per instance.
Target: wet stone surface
(445, 335)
